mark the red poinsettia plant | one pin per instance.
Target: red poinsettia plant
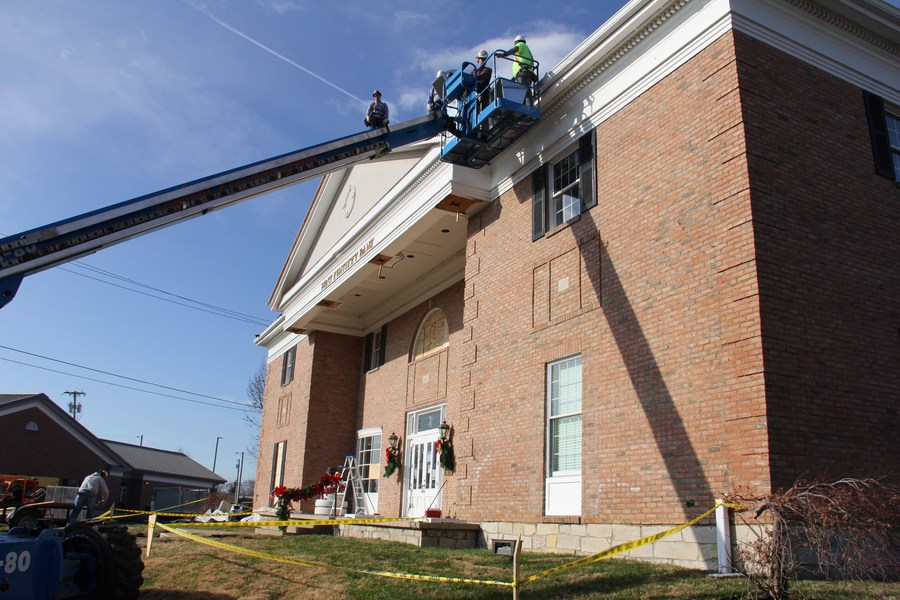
(392, 456)
(285, 496)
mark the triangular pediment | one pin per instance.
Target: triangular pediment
(353, 193)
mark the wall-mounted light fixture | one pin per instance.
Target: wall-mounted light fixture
(392, 440)
(445, 431)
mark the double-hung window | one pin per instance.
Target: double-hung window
(884, 130)
(368, 457)
(563, 482)
(279, 453)
(564, 188)
(287, 365)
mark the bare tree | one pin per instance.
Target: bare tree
(256, 391)
(846, 529)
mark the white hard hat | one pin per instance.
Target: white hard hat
(519, 38)
(482, 54)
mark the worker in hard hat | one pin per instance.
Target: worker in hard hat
(523, 64)
(523, 61)
(483, 75)
(377, 114)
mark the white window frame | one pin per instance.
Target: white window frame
(279, 453)
(369, 461)
(563, 486)
(564, 206)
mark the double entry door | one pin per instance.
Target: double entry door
(422, 476)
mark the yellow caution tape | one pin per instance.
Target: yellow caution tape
(186, 503)
(294, 522)
(625, 547)
(185, 515)
(614, 550)
(304, 563)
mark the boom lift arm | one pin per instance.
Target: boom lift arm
(477, 125)
(32, 251)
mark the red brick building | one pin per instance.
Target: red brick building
(683, 281)
(41, 440)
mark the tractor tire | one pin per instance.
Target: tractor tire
(111, 566)
(25, 518)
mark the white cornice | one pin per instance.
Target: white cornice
(641, 45)
(827, 40)
(855, 40)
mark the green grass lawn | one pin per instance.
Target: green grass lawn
(184, 569)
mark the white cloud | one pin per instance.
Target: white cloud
(69, 84)
(281, 7)
(549, 42)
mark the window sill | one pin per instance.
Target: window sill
(562, 226)
(562, 520)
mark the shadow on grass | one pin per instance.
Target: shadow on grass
(595, 583)
(160, 594)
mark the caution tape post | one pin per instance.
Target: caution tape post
(151, 523)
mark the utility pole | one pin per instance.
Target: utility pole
(75, 405)
(240, 474)
(216, 453)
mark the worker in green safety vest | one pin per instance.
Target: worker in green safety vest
(523, 63)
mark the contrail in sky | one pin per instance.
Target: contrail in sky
(277, 55)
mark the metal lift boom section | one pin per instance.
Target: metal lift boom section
(32, 251)
(477, 126)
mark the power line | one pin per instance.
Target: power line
(221, 311)
(165, 387)
(206, 307)
(127, 387)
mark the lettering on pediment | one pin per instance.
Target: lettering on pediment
(352, 260)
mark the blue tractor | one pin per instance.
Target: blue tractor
(88, 560)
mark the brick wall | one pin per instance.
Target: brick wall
(389, 391)
(320, 428)
(334, 400)
(734, 296)
(57, 453)
(829, 271)
(293, 431)
(655, 288)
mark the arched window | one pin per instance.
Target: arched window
(433, 334)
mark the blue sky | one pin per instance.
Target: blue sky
(103, 101)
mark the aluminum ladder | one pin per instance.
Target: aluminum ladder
(351, 480)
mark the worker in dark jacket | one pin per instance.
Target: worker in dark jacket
(483, 75)
(377, 115)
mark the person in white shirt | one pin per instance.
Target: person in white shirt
(93, 491)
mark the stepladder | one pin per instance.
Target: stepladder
(352, 482)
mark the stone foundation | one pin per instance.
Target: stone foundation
(435, 533)
(693, 548)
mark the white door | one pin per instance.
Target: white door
(422, 473)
